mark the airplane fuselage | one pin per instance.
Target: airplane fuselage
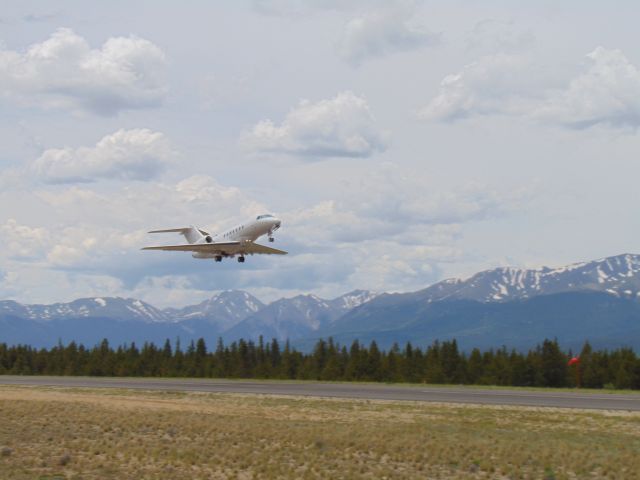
(250, 231)
(235, 242)
(245, 232)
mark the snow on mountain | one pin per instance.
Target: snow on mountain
(13, 309)
(284, 318)
(107, 307)
(215, 316)
(224, 310)
(353, 299)
(237, 314)
(295, 317)
(619, 275)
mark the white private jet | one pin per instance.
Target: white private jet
(236, 242)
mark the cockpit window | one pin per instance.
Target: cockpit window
(264, 216)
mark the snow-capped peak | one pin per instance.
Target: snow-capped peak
(354, 299)
(618, 275)
(223, 310)
(105, 307)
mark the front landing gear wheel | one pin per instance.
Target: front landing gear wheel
(240, 259)
(218, 258)
(271, 239)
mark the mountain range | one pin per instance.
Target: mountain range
(598, 301)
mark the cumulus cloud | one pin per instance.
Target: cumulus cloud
(494, 84)
(110, 242)
(32, 284)
(383, 32)
(405, 207)
(64, 71)
(403, 269)
(66, 255)
(404, 197)
(342, 126)
(85, 240)
(607, 93)
(138, 154)
(391, 229)
(188, 200)
(21, 241)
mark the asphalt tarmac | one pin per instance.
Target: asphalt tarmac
(369, 391)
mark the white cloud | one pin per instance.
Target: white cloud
(64, 71)
(408, 197)
(607, 93)
(390, 229)
(203, 188)
(65, 255)
(391, 203)
(21, 241)
(33, 284)
(353, 241)
(383, 266)
(494, 84)
(382, 32)
(170, 291)
(109, 242)
(342, 126)
(189, 201)
(137, 154)
(86, 241)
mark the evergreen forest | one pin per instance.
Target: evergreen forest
(546, 365)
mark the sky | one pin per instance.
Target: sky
(400, 142)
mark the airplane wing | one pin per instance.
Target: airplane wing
(257, 248)
(199, 247)
(223, 248)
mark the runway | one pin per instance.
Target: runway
(368, 391)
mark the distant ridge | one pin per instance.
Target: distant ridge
(618, 275)
(598, 300)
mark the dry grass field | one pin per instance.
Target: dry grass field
(60, 433)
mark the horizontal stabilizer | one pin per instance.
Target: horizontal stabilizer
(176, 230)
(179, 230)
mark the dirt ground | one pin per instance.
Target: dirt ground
(60, 433)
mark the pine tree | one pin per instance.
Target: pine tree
(554, 365)
(374, 363)
(200, 358)
(275, 358)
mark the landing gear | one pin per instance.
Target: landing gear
(271, 239)
(218, 258)
(240, 259)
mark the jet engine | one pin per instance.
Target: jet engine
(202, 255)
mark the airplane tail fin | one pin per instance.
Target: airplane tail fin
(191, 234)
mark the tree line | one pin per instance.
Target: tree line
(440, 363)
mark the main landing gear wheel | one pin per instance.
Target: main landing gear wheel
(271, 239)
(218, 258)
(240, 259)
